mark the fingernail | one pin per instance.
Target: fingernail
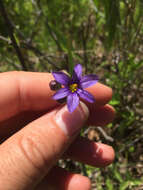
(71, 123)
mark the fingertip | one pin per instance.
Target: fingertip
(61, 179)
(90, 152)
(101, 92)
(102, 115)
(78, 182)
(107, 156)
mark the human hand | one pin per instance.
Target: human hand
(36, 131)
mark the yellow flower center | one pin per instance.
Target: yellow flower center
(73, 87)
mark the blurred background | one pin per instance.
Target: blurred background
(106, 37)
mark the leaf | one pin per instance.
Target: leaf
(118, 176)
(112, 16)
(124, 185)
(17, 40)
(109, 184)
(114, 102)
(136, 182)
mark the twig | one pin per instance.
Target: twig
(33, 33)
(53, 35)
(5, 39)
(10, 31)
(27, 45)
(102, 131)
(107, 137)
(38, 52)
(132, 143)
(51, 32)
(16, 66)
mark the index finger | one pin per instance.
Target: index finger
(23, 91)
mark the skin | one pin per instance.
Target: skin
(32, 140)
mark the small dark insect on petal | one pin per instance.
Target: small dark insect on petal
(54, 85)
(61, 101)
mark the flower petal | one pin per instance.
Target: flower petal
(61, 77)
(86, 95)
(88, 80)
(72, 101)
(62, 93)
(77, 73)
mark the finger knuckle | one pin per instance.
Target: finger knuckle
(30, 147)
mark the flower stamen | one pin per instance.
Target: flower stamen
(73, 87)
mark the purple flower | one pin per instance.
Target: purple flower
(74, 87)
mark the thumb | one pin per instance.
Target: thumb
(28, 155)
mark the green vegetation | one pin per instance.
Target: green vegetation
(106, 37)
